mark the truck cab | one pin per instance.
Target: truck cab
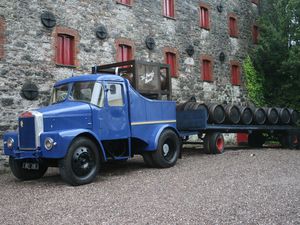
(92, 119)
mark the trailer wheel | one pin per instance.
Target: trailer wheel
(22, 173)
(81, 163)
(167, 151)
(256, 140)
(290, 141)
(214, 143)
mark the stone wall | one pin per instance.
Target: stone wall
(29, 51)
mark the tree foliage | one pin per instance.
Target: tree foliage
(277, 56)
(254, 83)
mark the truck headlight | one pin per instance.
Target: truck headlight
(10, 143)
(49, 143)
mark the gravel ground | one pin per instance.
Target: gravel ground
(238, 187)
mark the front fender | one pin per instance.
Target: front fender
(63, 141)
(153, 144)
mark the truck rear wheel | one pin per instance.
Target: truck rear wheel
(167, 151)
(256, 140)
(214, 143)
(20, 168)
(81, 163)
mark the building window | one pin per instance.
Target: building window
(125, 50)
(125, 2)
(204, 17)
(169, 8)
(2, 37)
(65, 45)
(125, 53)
(206, 68)
(256, 2)
(171, 58)
(233, 28)
(255, 34)
(65, 50)
(235, 73)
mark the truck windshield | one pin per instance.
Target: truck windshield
(59, 94)
(80, 91)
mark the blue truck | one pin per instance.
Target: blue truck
(99, 117)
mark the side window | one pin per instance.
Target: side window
(98, 95)
(115, 95)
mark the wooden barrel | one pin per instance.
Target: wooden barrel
(189, 106)
(284, 115)
(232, 114)
(246, 115)
(182, 106)
(294, 116)
(272, 115)
(216, 113)
(260, 116)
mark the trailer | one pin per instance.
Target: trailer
(118, 111)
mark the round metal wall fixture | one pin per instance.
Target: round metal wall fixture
(220, 8)
(150, 43)
(48, 19)
(222, 56)
(190, 50)
(29, 91)
(101, 32)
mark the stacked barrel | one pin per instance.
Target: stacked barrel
(242, 115)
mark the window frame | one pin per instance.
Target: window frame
(208, 58)
(60, 58)
(126, 4)
(234, 33)
(206, 24)
(173, 51)
(70, 32)
(126, 42)
(2, 37)
(235, 81)
(172, 10)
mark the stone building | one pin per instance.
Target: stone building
(42, 41)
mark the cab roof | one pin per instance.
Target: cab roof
(90, 77)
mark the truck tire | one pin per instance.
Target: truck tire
(256, 140)
(290, 141)
(214, 143)
(147, 156)
(16, 166)
(81, 163)
(167, 151)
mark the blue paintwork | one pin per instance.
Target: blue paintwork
(67, 114)
(27, 133)
(65, 121)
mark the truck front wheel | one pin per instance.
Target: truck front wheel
(27, 169)
(167, 151)
(82, 162)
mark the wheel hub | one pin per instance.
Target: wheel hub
(166, 149)
(82, 161)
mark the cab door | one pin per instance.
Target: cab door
(111, 119)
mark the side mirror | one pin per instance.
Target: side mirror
(112, 89)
